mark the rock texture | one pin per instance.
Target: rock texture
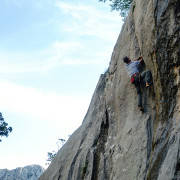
(116, 141)
(26, 173)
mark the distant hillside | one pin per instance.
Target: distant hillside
(22, 173)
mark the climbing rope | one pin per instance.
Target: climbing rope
(157, 112)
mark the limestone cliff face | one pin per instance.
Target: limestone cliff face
(116, 141)
(26, 173)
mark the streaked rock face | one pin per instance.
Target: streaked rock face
(32, 172)
(116, 141)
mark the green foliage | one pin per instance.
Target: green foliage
(84, 169)
(133, 8)
(4, 129)
(51, 155)
(120, 5)
(107, 74)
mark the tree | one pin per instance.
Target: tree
(120, 5)
(4, 129)
(51, 155)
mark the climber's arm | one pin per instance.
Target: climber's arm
(140, 59)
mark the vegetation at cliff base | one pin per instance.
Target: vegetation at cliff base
(4, 129)
(120, 5)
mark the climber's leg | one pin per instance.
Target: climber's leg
(138, 88)
(146, 77)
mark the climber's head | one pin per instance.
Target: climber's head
(126, 60)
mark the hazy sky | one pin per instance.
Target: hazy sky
(52, 53)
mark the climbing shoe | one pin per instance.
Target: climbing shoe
(147, 84)
(141, 108)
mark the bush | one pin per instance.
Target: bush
(120, 5)
(51, 155)
(4, 129)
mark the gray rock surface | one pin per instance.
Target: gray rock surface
(116, 141)
(32, 172)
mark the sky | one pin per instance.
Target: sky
(52, 53)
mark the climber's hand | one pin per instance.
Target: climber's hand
(140, 59)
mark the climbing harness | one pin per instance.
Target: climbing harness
(157, 112)
(133, 78)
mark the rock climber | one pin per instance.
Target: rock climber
(138, 78)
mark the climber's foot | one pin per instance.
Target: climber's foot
(147, 84)
(141, 108)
